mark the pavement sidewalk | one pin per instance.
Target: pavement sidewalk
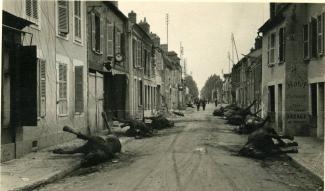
(42, 167)
(310, 155)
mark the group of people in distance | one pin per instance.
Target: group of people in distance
(200, 102)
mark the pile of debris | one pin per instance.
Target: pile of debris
(265, 142)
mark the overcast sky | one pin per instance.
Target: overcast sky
(204, 30)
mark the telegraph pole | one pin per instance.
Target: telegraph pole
(167, 22)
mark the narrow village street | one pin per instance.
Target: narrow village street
(199, 153)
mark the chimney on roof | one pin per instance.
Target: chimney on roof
(155, 38)
(164, 47)
(145, 26)
(258, 42)
(133, 17)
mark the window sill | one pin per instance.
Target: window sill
(79, 43)
(270, 65)
(97, 52)
(62, 115)
(63, 37)
(79, 114)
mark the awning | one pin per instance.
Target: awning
(13, 21)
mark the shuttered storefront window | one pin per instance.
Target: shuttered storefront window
(79, 98)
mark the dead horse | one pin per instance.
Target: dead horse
(97, 149)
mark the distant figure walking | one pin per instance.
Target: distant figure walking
(203, 102)
(197, 103)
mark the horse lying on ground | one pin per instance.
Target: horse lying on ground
(97, 149)
(160, 122)
(265, 142)
(137, 128)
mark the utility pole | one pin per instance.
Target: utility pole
(167, 22)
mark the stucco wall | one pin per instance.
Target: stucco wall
(49, 46)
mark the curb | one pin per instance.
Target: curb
(50, 179)
(59, 175)
(302, 167)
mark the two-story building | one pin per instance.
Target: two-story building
(107, 34)
(46, 88)
(293, 68)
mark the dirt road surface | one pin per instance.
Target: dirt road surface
(199, 153)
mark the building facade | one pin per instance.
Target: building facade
(293, 68)
(36, 106)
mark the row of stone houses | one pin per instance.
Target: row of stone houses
(69, 62)
(285, 71)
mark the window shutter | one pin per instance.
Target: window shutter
(79, 105)
(42, 88)
(117, 41)
(323, 24)
(122, 44)
(28, 7)
(101, 43)
(134, 52)
(320, 34)
(77, 19)
(62, 89)
(63, 16)
(110, 36)
(93, 32)
(35, 9)
(27, 98)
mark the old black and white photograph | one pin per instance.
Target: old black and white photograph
(139, 95)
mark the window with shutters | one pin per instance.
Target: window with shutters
(271, 48)
(97, 33)
(62, 89)
(117, 41)
(110, 39)
(282, 40)
(306, 41)
(139, 64)
(320, 40)
(79, 95)
(41, 101)
(134, 52)
(313, 37)
(63, 17)
(32, 10)
(77, 21)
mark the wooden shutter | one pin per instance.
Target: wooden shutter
(139, 54)
(320, 40)
(79, 98)
(93, 31)
(62, 89)
(117, 41)
(63, 16)
(28, 7)
(42, 88)
(35, 9)
(110, 42)
(134, 52)
(28, 86)
(77, 19)
(101, 29)
(122, 42)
